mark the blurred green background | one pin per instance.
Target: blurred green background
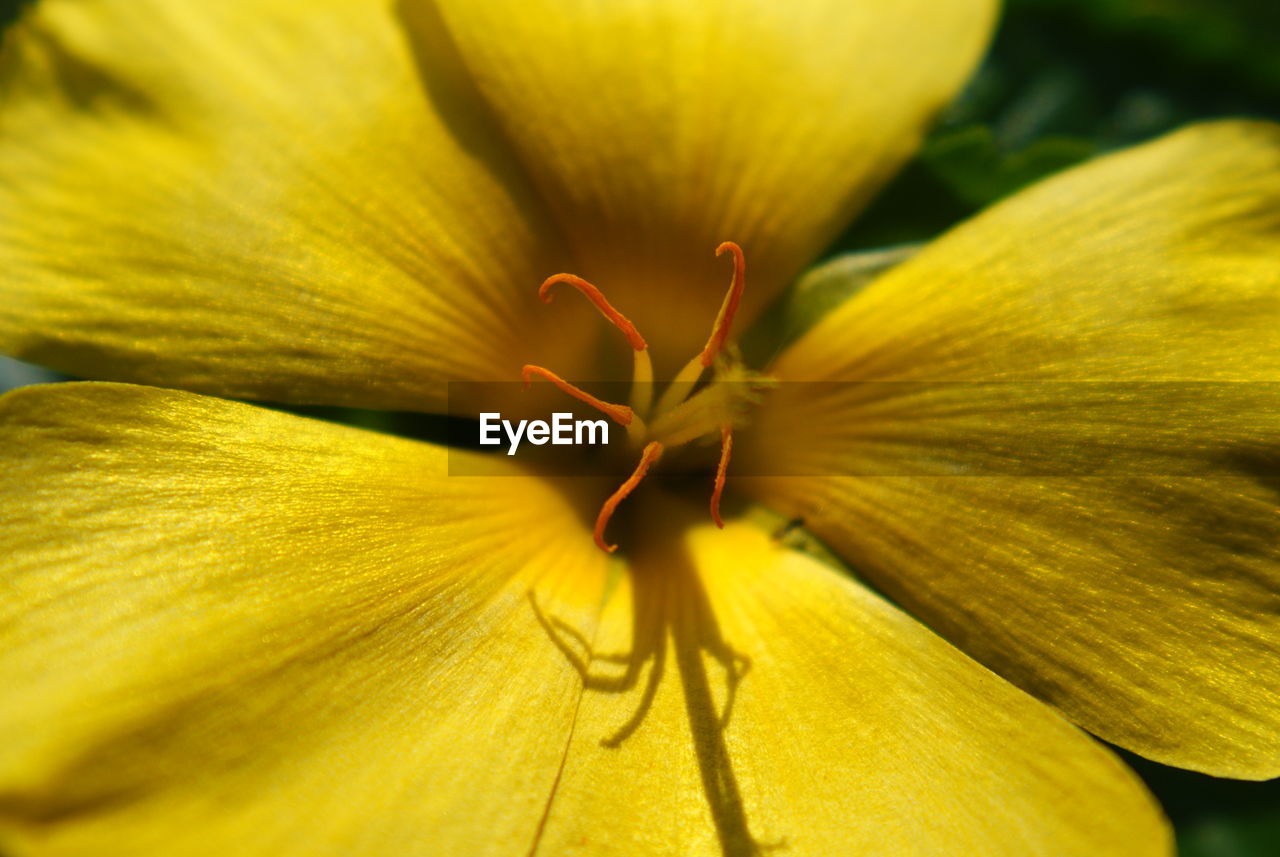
(1065, 80)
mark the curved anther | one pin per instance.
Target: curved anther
(724, 320)
(652, 452)
(596, 297)
(726, 447)
(620, 414)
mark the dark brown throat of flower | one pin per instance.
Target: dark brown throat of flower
(686, 410)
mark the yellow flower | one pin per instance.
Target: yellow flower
(231, 630)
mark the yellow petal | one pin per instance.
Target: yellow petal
(282, 200)
(227, 630)
(851, 729)
(657, 130)
(1091, 526)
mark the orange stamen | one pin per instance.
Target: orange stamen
(621, 414)
(726, 446)
(724, 320)
(652, 452)
(594, 295)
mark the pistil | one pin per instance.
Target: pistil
(728, 309)
(682, 385)
(652, 452)
(620, 414)
(678, 418)
(642, 383)
(726, 447)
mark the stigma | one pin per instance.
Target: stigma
(685, 412)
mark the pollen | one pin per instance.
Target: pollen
(596, 297)
(726, 447)
(681, 415)
(652, 452)
(620, 414)
(728, 309)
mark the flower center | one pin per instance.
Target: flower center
(687, 410)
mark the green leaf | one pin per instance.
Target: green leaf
(815, 294)
(1231, 836)
(1235, 36)
(974, 167)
